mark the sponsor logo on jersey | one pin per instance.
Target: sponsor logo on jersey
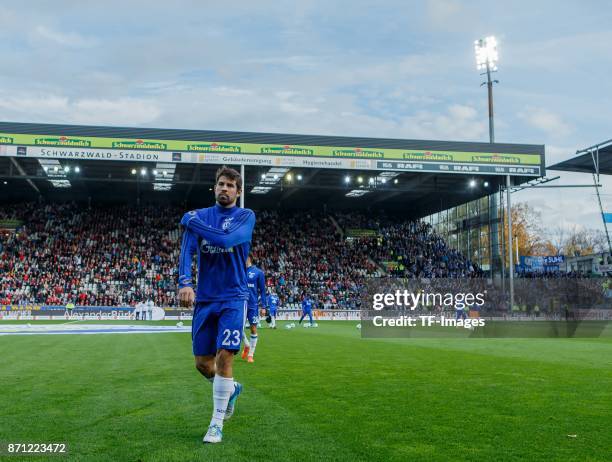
(206, 248)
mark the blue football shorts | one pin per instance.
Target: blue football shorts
(252, 315)
(217, 326)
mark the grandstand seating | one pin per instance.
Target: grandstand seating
(113, 256)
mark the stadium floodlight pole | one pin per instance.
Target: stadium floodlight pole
(486, 61)
(517, 252)
(243, 186)
(511, 262)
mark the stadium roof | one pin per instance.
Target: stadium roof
(415, 194)
(595, 159)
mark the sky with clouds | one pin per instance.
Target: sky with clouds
(363, 68)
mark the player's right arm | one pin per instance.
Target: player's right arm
(239, 231)
(189, 247)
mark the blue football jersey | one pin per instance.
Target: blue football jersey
(273, 301)
(307, 304)
(256, 281)
(222, 239)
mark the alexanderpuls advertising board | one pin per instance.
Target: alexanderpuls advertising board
(303, 156)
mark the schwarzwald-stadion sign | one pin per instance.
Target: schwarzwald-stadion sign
(148, 150)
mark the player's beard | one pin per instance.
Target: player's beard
(225, 199)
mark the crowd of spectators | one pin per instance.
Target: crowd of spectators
(102, 256)
(409, 249)
(121, 255)
(304, 253)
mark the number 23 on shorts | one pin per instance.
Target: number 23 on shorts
(231, 338)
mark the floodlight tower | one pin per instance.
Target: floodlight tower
(486, 62)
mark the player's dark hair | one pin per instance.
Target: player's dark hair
(231, 174)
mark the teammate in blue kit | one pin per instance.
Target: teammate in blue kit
(460, 313)
(273, 302)
(221, 236)
(307, 305)
(256, 282)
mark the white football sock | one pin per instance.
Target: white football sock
(253, 345)
(273, 324)
(222, 390)
(246, 339)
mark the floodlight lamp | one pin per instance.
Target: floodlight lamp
(486, 53)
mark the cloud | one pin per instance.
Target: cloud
(459, 122)
(556, 154)
(568, 207)
(444, 13)
(547, 121)
(297, 63)
(230, 92)
(122, 111)
(60, 109)
(67, 39)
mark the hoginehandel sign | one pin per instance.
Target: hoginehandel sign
(211, 152)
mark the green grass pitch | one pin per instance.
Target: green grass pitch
(312, 394)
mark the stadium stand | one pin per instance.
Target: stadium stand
(117, 256)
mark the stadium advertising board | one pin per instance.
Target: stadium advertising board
(540, 264)
(211, 152)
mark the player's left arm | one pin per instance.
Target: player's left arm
(240, 231)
